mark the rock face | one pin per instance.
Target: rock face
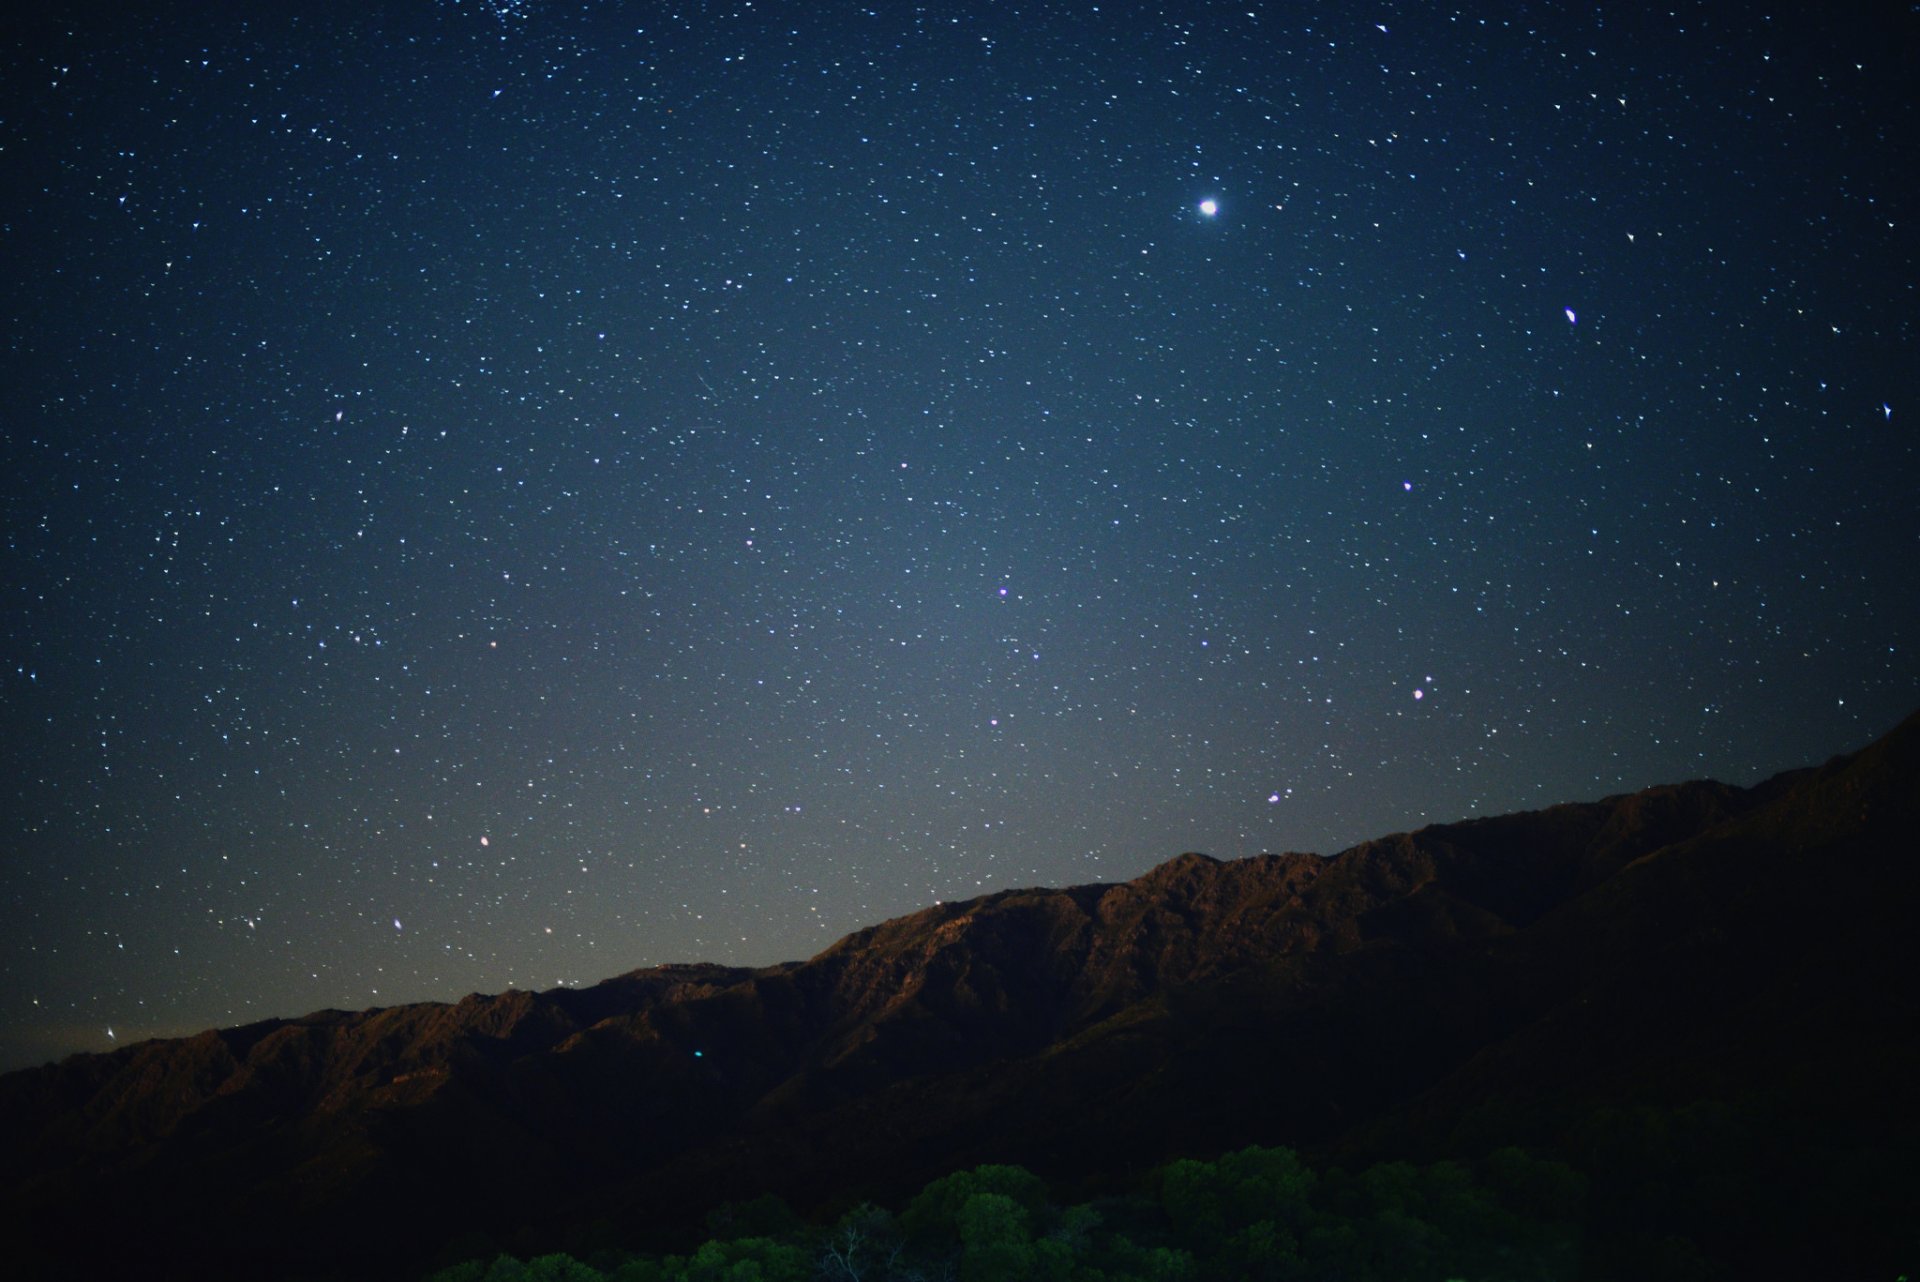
(1467, 984)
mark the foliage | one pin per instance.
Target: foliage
(932, 1219)
(1258, 1214)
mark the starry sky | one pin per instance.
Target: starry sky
(506, 493)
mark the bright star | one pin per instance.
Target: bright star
(1209, 207)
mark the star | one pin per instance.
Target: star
(607, 608)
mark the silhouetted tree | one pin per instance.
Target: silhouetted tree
(931, 1220)
(995, 1242)
(864, 1245)
(753, 1259)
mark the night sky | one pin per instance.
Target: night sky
(503, 494)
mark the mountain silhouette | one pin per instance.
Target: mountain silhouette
(1734, 958)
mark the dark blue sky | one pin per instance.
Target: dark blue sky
(505, 498)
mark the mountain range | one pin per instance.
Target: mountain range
(1702, 995)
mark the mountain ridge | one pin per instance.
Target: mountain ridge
(1407, 994)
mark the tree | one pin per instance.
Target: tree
(560, 1268)
(863, 1245)
(465, 1271)
(1244, 1211)
(748, 1259)
(931, 1220)
(995, 1243)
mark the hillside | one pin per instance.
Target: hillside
(1554, 978)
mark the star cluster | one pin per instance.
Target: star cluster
(500, 494)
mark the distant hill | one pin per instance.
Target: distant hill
(1709, 985)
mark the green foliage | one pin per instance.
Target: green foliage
(559, 1268)
(754, 1259)
(466, 1271)
(995, 1244)
(763, 1216)
(931, 1220)
(1258, 1215)
(505, 1268)
(861, 1244)
(1245, 1210)
(1123, 1260)
(640, 1269)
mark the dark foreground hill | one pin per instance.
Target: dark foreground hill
(1703, 994)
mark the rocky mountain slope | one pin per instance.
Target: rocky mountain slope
(1500, 980)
